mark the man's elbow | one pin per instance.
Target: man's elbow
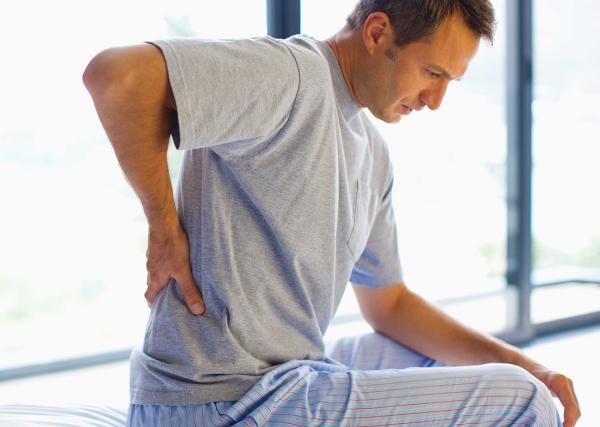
(110, 71)
(379, 306)
(379, 320)
(99, 71)
(131, 72)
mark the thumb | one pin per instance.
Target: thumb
(191, 293)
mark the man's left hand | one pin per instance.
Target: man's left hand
(562, 387)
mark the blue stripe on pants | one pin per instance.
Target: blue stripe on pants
(377, 383)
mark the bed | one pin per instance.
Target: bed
(65, 416)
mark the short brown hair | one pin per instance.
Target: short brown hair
(414, 20)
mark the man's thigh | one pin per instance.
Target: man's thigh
(491, 394)
(389, 384)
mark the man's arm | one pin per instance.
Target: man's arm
(407, 318)
(135, 104)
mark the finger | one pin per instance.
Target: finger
(574, 394)
(191, 293)
(150, 294)
(148, 245)
(571, 415)
(146, 293)
(572, 412)
(156, 282)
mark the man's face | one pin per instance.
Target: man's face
(394, 81)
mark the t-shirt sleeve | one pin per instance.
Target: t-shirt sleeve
(229, 90)
(379, 264)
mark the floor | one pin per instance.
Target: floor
(576, 354)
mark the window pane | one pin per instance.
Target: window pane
(73, 275)
(449, 188)
(321, 19)
(566, 135)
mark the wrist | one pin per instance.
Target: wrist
(517, 357)
(504, 352)
(163, 220)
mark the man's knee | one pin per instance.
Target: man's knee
(531, 398)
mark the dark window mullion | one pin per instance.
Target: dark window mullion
(519, 159)
(283, 18)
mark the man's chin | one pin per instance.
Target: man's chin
(388, 116)
(392, 117)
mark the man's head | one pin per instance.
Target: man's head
(405, 52)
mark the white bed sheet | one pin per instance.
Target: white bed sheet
(65, 416)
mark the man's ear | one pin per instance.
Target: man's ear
(377, 32)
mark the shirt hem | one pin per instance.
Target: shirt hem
(198, 395)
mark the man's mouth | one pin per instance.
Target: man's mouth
(405, 109)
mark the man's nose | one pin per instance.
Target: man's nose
(433, 96)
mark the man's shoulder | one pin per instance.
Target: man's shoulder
(309, 56)
(299, 54)
(254, 50)
(305, 46)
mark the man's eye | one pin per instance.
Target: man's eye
(434, 74)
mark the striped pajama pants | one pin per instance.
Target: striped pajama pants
(377, 383)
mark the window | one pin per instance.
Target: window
(566, 149)
(72, 275)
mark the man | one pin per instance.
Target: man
(284, 195)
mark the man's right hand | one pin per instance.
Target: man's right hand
(168, 256)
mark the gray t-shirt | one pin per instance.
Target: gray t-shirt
(285, 194)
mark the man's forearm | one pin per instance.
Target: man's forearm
(418, 324)
(130, 100)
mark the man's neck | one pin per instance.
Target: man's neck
(342, 45)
